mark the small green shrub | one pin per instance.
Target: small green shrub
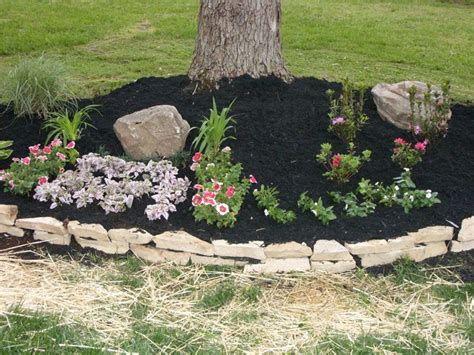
(4, 152)
(37, 86)
(267, 198)
(407, 156)
(324, 214)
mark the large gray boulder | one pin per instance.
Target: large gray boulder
(393, 101)
(155, 131)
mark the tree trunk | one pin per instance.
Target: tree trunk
(237, 37)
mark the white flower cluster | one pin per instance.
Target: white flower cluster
(114, 183)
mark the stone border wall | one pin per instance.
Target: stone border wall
(181, 248)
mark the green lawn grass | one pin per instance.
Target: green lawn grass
(106, 44)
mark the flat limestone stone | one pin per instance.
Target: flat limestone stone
(8, 214)
(271, 266)
(90, 231)
(433, 234)
(287, 250)
(52, 238)
(400, 243)
(155, 255)
(368, 260)
(182, 241)
(209, 260)
(457, 247)
(333, 267)
(107, 247)
(422, 252)
(11, 230)
(330, 250)
(467, 230)
(375, 246)
(132, 236)
(45, 224)
(250, 250)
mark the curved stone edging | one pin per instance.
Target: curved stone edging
(181, 247)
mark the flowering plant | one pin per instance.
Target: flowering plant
(406, 155)
(220, 190)
(267, 198)
(430, 115)
(346, 112)
(35, 169)
(114, 184)
(341, 167)
(324, 214)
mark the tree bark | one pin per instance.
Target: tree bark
(237, 37)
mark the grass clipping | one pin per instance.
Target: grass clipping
(227, 310)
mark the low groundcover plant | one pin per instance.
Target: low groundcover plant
(267, 198)
(324, 214)
(114, 183)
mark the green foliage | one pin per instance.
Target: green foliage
(341, 167)
(405, 156)
(251, 294)
(267, 198)
(409, 197)
(346, 114)
(352, 206)
(221, 186)
(218, 297)
(324, 214)
(430, 115)
(4, 152)
(37, 86)
(61, 126)
(180, 159)
(214, 130)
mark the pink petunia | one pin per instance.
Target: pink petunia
(71, 145)
(47, 150)
(34, 149)
(61, 156)
(196, 200)
(25, 161)
(252, 179)
(230, 192)
(197, 157)
(42, 180)
(222, 209)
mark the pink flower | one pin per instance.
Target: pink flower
(400, 141)
(417, 129)
(222, 209)
(194, 166)
(56, 142)
(209, 198)
(217, 185)
(252, 179)
(336, 161)
(42, 180)
(420, 146)
(11, 184)
(34, 149)
(61, 156)
(42, 158)
(26, 161)
(47, 150)
(338, 120)
(230, 192)
(196, 200)
(197, 157)
(71, 145)
(198, 187)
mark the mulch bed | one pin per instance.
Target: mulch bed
(279, 131)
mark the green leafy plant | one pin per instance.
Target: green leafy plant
(66, 128)
(38, 86)
(346, 114)
(407, 156)
(267, 198)
(4, 152)
(409, 197)
(341, 167)
(214, 130)
(352, 206)
(220, 189)
(430, 115)
(324, 214)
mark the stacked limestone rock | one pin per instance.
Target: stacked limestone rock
(8, 214)
(331, 257)
(465, 239)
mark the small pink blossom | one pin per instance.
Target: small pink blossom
(420, 146)
(336, 161)
(26, 161)
(252, 179)
(61, 156)
(11, 184)
(400, 141)
(71, 145)
(43, 158)
(198, 187)
(47, 150)
(194, 166)
(34, 149)
(196, 200)
(417, 129)
(230, 192)
(209, 198)
(222, 209)
(56, 142)
(197, 157)
(42, 180)
(338, 120)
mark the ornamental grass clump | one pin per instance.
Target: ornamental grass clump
(267, 198)
(346, 114)
(37, 87)
(114, 184)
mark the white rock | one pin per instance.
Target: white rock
(182, 241)
(433, 234)
(155, 255)
(374, 246)
(11, 230)
(45, 224)
(8, 214)
(330, 250)
(457, 247)
(368, 260)
(429, 250)
(270, 266)
(405, 242)
(88, 231)
(333, 267)
(210, 260)
(52, 238)
(251, 250)
(132, 236)
(107, 247)
(467, 230)
(287, 250)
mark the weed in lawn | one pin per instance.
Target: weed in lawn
(219, 297)
(406, 269)
(251, 293)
